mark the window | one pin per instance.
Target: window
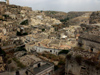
(50, 50)
(26, 72)
(17, 73)
(91, 49)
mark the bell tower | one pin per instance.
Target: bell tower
(7, 1)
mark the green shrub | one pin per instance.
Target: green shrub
(2, 52)
(61, 62)
(24, 22)
(19, 64)
(51, 56)
(64, 20)
(20, 34)
(43, 30)
(9, 61)
(6, 16)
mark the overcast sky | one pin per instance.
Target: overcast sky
(60, 5)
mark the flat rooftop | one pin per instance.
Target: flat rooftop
(37, 70)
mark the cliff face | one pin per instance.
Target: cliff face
(95, 18)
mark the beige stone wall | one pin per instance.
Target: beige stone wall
(87, 45)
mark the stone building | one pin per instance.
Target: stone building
(33, 48)
(41, 68)
(84, 59)
(89, 38)
(89, 42)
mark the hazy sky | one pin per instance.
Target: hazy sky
(60, 5)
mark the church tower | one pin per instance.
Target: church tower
(7, 1)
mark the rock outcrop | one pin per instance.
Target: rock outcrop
(95, 18)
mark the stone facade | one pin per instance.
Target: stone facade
(89, 38)
(90, 44)
(84, 59)
(42, 49)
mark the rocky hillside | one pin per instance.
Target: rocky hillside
(21, 14)
(18, 20)
(63, 15)
(70, 18)
(72, 15)
(80, 19)
(39, 18)
(55, 14)
(95, 18)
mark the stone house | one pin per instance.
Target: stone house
(41, 68)
(33, 48)
(89, 42)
